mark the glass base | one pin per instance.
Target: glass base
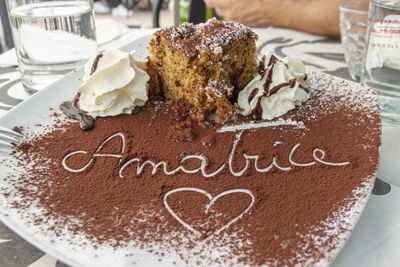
(34, 81)
(390, 110)
(29, 91)
(355, 77)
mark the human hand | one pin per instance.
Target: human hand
(317, 16)
(255, 13)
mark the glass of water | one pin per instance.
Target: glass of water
(381, 65)
(353, 29)
(51, 38)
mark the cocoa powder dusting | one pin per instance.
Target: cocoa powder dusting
(241, 215)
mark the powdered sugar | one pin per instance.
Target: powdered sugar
(346, 93)
(209, 37)
(256, 125)
(216, 88)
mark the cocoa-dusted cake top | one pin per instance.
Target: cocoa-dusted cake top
(208, 37)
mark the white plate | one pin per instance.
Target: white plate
(37, 110)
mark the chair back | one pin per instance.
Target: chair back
(6, 28)
(197, 12)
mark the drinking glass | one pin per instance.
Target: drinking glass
(51, 38)
(381, 66)
(353, 29)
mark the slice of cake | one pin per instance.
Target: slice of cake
(206, 64)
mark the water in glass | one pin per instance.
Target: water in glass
(51, 39)
(382, 57)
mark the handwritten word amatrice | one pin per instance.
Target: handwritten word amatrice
(317, 154)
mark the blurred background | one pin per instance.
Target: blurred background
(133, 13)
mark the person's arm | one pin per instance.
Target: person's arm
(314, 16)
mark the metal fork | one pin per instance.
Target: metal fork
(9, 138)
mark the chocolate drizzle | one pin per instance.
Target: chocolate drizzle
(257, 111)
(272, 60)
(95, 63)
(268, 82)
(86, 122)
(305, 89)
(252, 94)
(261, 66)
(292, 83)
(278, 87)
(268, 91)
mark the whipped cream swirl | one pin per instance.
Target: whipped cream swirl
(280, 86)
(114, 83)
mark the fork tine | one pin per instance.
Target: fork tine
(6, 131)
(5, 144)
(9, 139)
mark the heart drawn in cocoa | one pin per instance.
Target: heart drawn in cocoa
(212, 201)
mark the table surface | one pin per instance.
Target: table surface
(376, 238)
